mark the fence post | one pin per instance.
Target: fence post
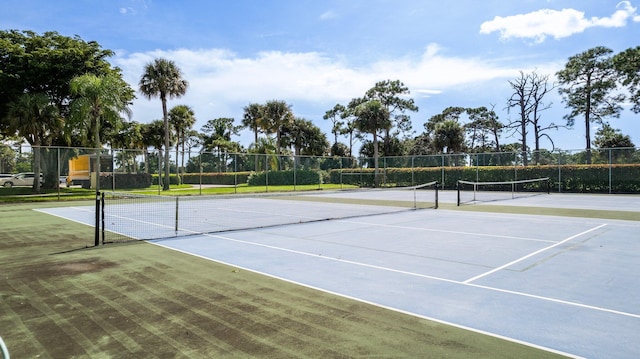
(266, 172)
(610, 169)
(58, 177)
(442, 171)
(235, 173)
(96, 239)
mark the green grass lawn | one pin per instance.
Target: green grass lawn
(59, 299)
(25, 194)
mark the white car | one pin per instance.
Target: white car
(20, 179)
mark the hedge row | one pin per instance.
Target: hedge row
(227, 178)
(126, 180)
(289, 177)
(252, 178)
(569, 178)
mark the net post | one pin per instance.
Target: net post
(102, 214)
(415, 201)
(96, 235)
(176, 224)
(548, 185)
(437, 185)
(458, 189)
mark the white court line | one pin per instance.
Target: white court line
(393, 270)
(447, 231)
(467, 282)
(532, 254)
(513, 340)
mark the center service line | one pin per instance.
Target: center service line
(531, 254)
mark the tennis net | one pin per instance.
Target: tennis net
(473, 192)
(127, 216)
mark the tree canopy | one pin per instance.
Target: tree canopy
(588, 83)
(627, 65)
(45, 64)
(98, 105)
(373, 117)
(59, 90)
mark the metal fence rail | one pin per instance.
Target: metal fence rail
(609, 171)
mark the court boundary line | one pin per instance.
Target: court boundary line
(392, 308)
(450, 232)
(533, 254)
(426, 276)
(393, 270)
(398, 310)
(43, 210)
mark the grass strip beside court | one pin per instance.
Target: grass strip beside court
(59, 299)
(546, 211)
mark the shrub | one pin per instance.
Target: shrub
(617, 178)
(289, 177)
(126, 180)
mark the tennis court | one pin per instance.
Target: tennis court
(569, 285)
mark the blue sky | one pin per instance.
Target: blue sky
(314, 54)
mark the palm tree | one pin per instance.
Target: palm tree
(216, 134)
(129, 141)
(98, 104)
(153, 136)
(181, 118)
(265, 146)
(252, 117)
(33, 117)
(373, 116)
(163, 79)
(276, 115)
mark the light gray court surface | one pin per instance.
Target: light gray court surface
(569, 285)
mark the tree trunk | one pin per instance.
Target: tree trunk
(587, 125)
(177, 154)
(165, 187)
(182, 156)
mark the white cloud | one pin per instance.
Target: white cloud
(558, 24)
(328, 15)
(135, 5)
(221, 83)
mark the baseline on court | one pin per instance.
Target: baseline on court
(563, 284)
(566, 285)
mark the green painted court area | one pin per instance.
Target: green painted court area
(62, 299)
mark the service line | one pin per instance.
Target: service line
(532, 254)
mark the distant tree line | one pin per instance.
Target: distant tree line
(62, 91)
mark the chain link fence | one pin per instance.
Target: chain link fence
(598, 171)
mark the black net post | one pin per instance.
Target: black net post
(177, 218)
(437, 185)
(458, 189)
(97, 226)
(102, 214)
